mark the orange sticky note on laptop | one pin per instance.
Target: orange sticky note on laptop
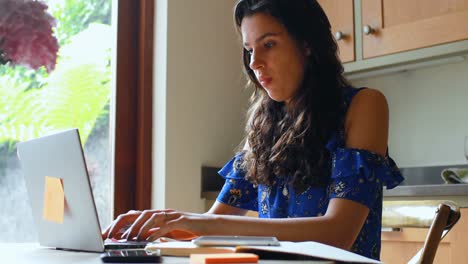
(54, 200)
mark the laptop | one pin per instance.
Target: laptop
(60, 155)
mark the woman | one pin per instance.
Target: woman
(315, 156)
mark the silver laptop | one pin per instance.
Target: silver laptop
(60, 155)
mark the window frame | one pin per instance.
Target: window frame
(134, 106)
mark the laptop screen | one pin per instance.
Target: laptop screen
(59, 192)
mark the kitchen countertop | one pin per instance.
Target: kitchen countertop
(428, 190)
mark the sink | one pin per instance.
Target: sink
(425, 175)
(427, 182)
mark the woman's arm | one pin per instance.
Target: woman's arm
(224, 209)
(343, 217)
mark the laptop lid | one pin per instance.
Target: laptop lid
(61, 156)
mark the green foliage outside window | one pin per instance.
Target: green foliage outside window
(76, 94)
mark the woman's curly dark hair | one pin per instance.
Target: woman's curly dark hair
(290, 139)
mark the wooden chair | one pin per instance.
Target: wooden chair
(445, 214)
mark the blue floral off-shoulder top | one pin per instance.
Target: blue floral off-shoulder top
(356, 174)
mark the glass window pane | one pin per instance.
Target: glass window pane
(77, 93)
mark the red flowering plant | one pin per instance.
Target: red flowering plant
(26, 36)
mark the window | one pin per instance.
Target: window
(80, 92)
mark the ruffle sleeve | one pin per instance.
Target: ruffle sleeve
(237, 191)
(360, 175)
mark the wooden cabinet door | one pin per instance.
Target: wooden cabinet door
(341, 16)
(400, 247)
(401, 25)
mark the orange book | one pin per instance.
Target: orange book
(223, 258)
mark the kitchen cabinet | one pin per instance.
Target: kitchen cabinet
(392, 26)
(340, 13)
(401, 246)
(397, 32)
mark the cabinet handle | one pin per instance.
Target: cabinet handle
(339, 35)
(368, 30)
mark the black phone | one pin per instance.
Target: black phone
(129, 256)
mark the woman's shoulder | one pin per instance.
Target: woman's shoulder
(366, 123)
(362, 93)
(364, 100)
(368, 93)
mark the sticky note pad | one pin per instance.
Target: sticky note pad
(54, 200)
(223, 258)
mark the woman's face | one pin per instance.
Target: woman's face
(277, 60)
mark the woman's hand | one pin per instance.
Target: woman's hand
(152, 224)
(120, 225)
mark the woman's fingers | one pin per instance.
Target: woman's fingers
(151, 223)
(120, 224)
(172, 221)
(141, 225)
(106, 233)
(134, 230)
(146, 225)
(135, 227)
(157, 220)
(156, 233)
(154, 236)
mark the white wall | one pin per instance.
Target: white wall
(428, 114)
(200, 101)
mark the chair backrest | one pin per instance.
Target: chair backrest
(444, 220)
(438, 216)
